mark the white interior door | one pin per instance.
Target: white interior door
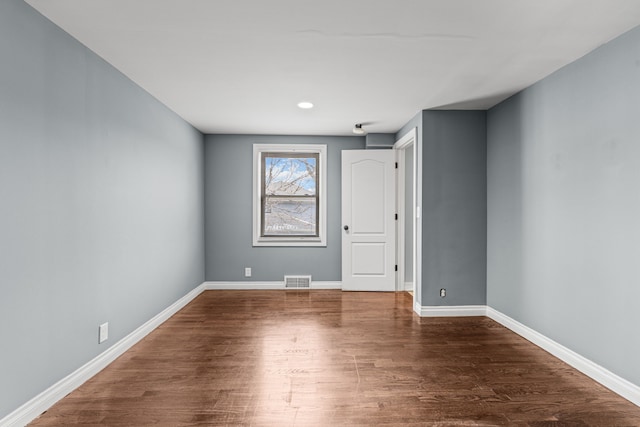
(368, 220)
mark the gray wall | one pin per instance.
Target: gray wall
(380, 140)
(453, 145)
(564, 206)
(228, 186)
(101, 205)
(454, 207)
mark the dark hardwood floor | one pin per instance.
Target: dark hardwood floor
(328, 358)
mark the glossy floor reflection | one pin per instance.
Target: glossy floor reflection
(322, 358)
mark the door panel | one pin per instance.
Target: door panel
(368, 259)
(366, 177)
(368, 219)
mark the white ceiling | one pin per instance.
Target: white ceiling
(241, 66)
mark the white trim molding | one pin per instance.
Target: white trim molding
(255, 286)
(43, 401)
(326, 285)
(408, 139)
(321, 168)
(450, 310)
(617, 384)
(243, 286)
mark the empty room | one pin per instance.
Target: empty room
(296, 213)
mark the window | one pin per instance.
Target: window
(289, 195)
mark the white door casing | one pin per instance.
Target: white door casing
(407, 226)
(368, 220)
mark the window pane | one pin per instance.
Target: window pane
(285, 217)
(286, 176)
(289, 194)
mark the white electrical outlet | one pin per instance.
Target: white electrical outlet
(103, 332)
(247, 272)
(443, 292)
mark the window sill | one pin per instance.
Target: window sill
(289, 241)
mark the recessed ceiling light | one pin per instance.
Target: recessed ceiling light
(305, 105)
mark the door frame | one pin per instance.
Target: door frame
(409, 141)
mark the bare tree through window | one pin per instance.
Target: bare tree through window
(289, 203)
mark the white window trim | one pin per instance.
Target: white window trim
(321, 240)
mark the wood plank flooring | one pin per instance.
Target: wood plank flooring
(328, 358)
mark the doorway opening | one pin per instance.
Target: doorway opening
(408, 224)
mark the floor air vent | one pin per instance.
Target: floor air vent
(297, 282)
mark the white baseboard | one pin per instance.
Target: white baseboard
(43, 401)
(450, 310)
(326, 285)
(417, 308)
(618, 385)
(243, 286)
(265, 285)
